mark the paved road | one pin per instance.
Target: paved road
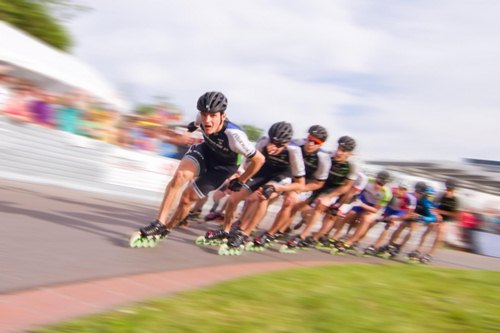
(53, 235)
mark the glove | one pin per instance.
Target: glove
(267, 190)
(191, 127)
(333, 210)
(235, 185)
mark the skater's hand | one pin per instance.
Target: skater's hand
(235, 185)
(191, 127)
(268, 190)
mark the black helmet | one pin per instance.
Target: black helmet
(383, 177)
(420, 187)
(450, 184)
(212, 101)
(319, 132)
(347, 143)
(280, 132)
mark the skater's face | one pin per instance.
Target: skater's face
(342, 155)
(275, 148)
(212, 122)
(312, 144)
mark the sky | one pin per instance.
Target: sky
(409, 80)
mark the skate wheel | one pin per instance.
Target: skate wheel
(250, 246)
(151, 242)
(135, 240)
(286, 250)
(200, 240)
(223, 250)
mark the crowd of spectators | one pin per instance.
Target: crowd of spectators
(75, 112)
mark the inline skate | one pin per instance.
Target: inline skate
(149, 235)
(212, 238)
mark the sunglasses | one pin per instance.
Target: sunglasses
(314, 140)
(278, 144)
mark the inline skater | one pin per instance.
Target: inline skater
(341, 177)
(372, 199)
(205, 167)
(401, 207)
(337, 211)
(317, 164)
(446, 210)
(283, 159)
(423, 213)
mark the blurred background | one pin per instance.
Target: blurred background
(115, 83)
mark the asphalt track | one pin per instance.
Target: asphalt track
(53, 235)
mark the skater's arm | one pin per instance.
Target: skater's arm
(254, 165)
(312, 186)
(296, 185)
(339, 191)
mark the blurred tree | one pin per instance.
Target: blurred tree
(41, 19)
(252, 132)
(144, 109)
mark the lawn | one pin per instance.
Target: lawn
(351, 298)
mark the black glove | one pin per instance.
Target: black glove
(191, 127)
(333, 210)
(235, 185)
(267, 190)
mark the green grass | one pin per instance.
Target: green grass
(354, 298)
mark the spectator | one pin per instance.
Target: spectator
(467, 222)
(41, 109)
(16, 106)
(68, 114)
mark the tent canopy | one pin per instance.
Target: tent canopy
(52, 69)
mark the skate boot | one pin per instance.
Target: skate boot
(212, 238)
(149, 235)
(184, 223)
(235, 226)
(414, 256)
(426, 259)
(235, 244)
(299, 225)
(214, 216)
(278, 235)
(292, 245)
(383, 252)
(324, 243)
(307, 243)
(370, 251)
(393, 250)
(346, 247)
(194, 214)
(260, 243)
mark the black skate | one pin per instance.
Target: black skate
(235, 244)
(324, 243)
(299, 225)
(370, 251)
(260, 243)
(414, 256)
(149, 235)
(393, 251)
(214, 216)
(426, 259)
(292, 245)
(213, 238)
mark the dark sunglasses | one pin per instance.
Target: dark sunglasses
(278, 144)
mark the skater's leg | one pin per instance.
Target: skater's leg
(186, 172)
(189, 196)
(231, 206)
(285, 213)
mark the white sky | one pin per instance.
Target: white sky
(412, 80)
